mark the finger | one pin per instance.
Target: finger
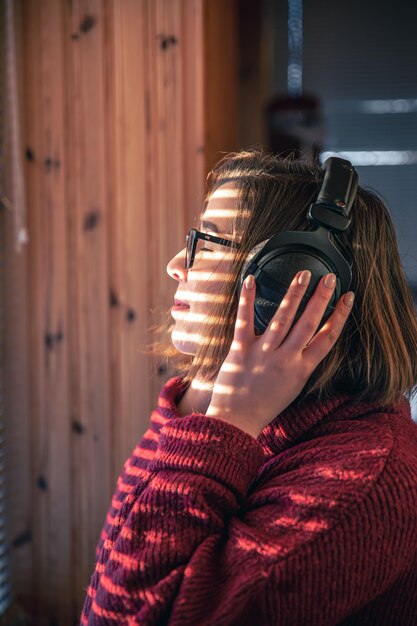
(284, 316)
(307, 325)
(327, 336)
(244, 327)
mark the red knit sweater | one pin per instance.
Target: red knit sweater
(313, 523)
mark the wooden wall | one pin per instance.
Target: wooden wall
(221, 78)
(121, 119)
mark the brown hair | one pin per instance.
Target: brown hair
(375, 357)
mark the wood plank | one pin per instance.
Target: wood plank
(48, 306)
(221, 79)
(88, 289)
(194, 157)
(167, 48)
(131, 242)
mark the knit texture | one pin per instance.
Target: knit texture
(313, 523)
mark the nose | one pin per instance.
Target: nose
(176, 266)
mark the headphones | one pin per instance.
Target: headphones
(275, 261)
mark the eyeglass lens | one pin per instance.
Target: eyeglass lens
(189, 242)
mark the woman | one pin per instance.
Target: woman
(277, 483)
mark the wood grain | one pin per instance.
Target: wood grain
(126, 105)
(88, 283)
(48, 323)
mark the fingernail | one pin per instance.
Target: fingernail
(304, 277)
(250, 281)
(349, 298)
(330, 281)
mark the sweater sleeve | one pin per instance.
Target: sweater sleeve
(195, 549)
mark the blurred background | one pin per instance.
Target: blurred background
(111, 114)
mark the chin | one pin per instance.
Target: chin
(183, 345)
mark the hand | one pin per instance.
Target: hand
(262, 375)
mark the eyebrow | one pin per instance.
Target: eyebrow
(210, 225)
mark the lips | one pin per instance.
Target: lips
(181, 303)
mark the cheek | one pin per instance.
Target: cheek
(216, 283)
(222, 272)
(211, 293)
(208, 278)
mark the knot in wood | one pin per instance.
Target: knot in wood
(165, 41)
(88, 23)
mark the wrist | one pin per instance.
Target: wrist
(239, 421)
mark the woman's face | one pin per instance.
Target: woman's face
(199, 286)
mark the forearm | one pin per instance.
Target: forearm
(199, 479)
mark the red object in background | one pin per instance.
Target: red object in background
(294, 125)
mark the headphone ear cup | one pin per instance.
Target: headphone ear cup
(274, 279)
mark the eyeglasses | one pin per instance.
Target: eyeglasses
(192, 238)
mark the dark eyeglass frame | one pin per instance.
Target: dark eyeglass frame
(193, 236)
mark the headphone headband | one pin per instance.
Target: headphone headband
(336, 196)
(339, 185)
